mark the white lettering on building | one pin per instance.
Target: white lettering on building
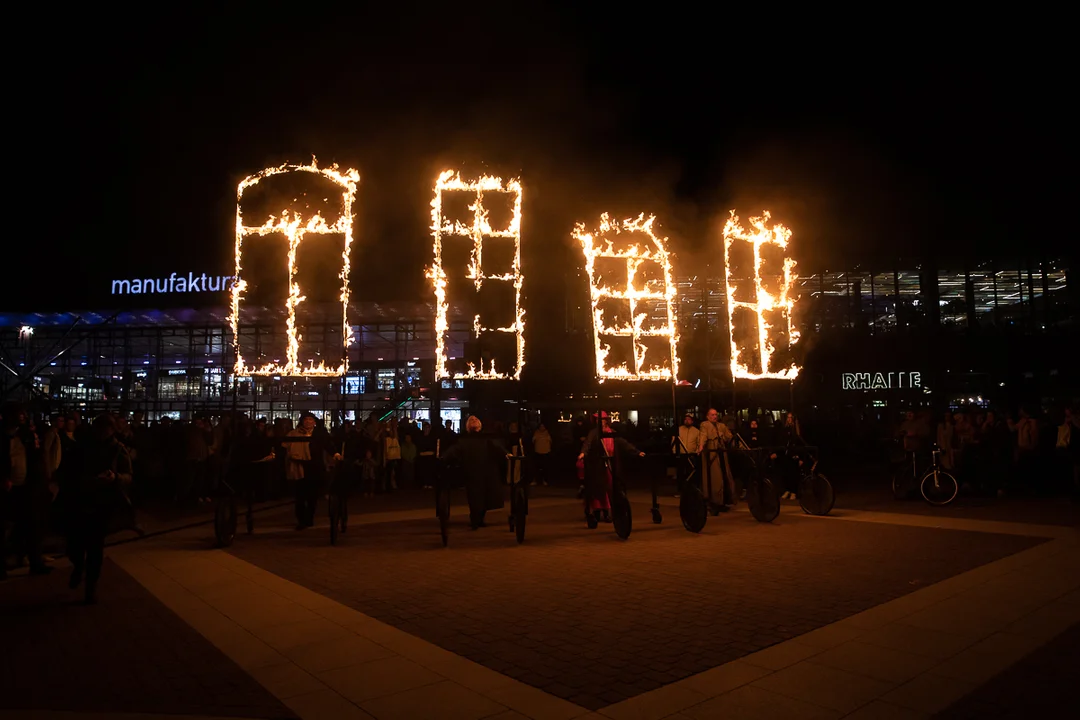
(881, 381)
(190, 283)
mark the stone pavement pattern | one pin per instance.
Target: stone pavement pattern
(596, 621)
(128, 654)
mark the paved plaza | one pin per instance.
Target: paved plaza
(882, 610)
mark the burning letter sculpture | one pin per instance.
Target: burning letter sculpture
(295, 228)
(765, 306)
(477, 231)
(646, 302)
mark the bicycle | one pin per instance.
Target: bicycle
(937, 486)
(762, 495)
(337, 501)
(519, 498)
(815, 492)
(225, 515)
(443, 473)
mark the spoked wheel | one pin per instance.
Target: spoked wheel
(939, 488)
(692, 509)
(225, 521)
(763, 499)
(335, 517)
(816, 495)
(518, 511)
(902, 486)
(620, 514)
(442, 509)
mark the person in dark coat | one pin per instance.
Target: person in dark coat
(598, 474)
(480, 458)
(92, 494)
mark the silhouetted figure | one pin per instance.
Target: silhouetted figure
(479, 458)
(92, 493)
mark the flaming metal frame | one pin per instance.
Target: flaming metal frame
(763, 300)
(634, 257)
(477, 231)
(294, 229)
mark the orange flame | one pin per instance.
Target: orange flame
(764, 302)
(294, 229)
(635, 257)
(479, 229)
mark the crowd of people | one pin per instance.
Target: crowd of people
(84, 480)
(1025, 452)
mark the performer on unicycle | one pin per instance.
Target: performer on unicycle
(598, 470)
(716, 469)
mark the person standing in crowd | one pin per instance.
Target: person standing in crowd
(792, 462)
(53, 447)
(995, 452)
(600, 444)
(408, 461)
(25, 490)
(477, 456)
(300, 469)
(685, 445)
(369, 473)
(946, 434)
(717, 480)
(449, 437)
(391, 455)
(93, 492)
(195, 465)
(1027, 447)
(541, 445)
(1072, 449)
(425, 463)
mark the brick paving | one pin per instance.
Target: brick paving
(128, 654)
(593, 620)
(1042, 685)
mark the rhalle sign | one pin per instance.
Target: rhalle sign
(882, 380)
(191, 283)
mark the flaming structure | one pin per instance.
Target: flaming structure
(765, 304)
(477, 231)
(600, 244)
(294, 227)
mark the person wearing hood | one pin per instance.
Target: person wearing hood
(480, 458)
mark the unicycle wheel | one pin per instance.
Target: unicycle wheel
(692, 510)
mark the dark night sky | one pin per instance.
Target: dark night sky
(868, 152)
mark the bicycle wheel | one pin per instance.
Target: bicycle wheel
(225, 521)
(764, 500)
(816, 495)
(939, 488)
(335, 517)
(692, 509)
(442, 509)
(620, 514)
(519, 512)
